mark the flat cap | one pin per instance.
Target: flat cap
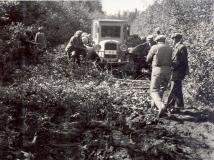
(177, 35)
(78, 33)
(160, 38)
(84, 34)
(85, 40)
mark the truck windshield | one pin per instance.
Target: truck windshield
(110, 31)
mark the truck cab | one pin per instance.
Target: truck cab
(110, 35)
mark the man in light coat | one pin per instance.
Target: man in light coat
(160, 55)
(40, 39)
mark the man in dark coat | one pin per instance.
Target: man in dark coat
(75, 47)
(179, 71)
(138, 54)
(91, 56)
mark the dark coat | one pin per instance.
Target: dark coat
(179, 62)
(75, 42)
(140, 50)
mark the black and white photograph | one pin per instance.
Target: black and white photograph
(107, 80)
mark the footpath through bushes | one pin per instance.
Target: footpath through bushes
(55, 110)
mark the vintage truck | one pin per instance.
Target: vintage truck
(111, 35)
(114, 39)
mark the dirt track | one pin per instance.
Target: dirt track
(197, 127)
(191, 130)
(134, 133)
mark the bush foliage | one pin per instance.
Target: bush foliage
(60, 21)
(194, 19)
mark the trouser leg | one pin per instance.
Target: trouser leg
(77, 55)
(156, 92)
(172, 98)
(77, 59)
(137, 74)
(175, 96)
(69, 52)
(180, 100)
(160, 97)
(159, 82)
(157, 99)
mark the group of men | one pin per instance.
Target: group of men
(30, 47)
(167, 65)
(81, 43)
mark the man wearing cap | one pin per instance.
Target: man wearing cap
(91, 53)
(160, 55)
(76, 46)
(179, 71)
(150, 42)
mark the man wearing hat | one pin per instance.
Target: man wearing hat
(160, 55)
(150, 42)
(179, 71)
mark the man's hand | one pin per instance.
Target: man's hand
(130, 50)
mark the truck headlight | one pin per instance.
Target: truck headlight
(97, 47)
(123, 47)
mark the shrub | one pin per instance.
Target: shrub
(194, 20)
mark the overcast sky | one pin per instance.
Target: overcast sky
(113, 6)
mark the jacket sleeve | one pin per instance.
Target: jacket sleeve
(138, 47)
(180, 62)
(185, 60)
(73, 42)
(151, 54)
(184, 56)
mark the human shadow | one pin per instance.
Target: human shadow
(193, 116)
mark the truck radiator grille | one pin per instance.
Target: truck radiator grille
(110, 56)
(110, 46)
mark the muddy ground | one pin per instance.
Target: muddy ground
(191, 129)
(120, 125)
